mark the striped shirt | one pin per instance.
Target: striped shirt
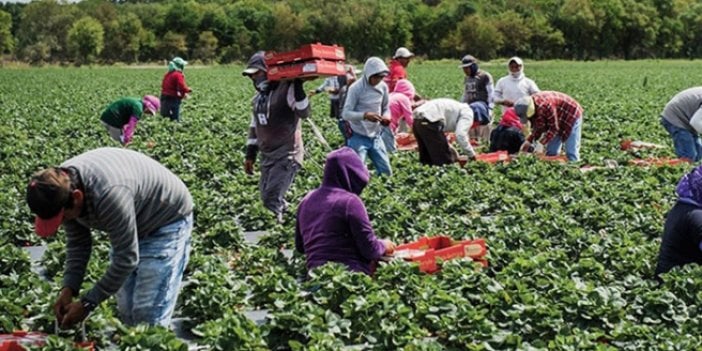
(555, 115)
(128, 196)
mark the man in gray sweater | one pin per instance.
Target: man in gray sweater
(682, 118)
(146, 212)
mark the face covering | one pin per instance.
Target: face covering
(260, 83)
(517, 75)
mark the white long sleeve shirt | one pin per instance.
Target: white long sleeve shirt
(512, 88)
(456, 116)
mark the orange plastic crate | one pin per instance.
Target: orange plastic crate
(429, 251)
(305, 53)
(655, 161)
(305, 69)
(556, 158)
(493, 157)
(18, 340)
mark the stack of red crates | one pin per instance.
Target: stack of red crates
(310, 60)
(432, 250)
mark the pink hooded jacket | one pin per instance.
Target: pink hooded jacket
(401, 104)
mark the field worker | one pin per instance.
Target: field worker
(174, 89)
(514, 85)
(332, 222)
(366, 109)
(478, 90)
(398, 66)
(332, 86)
(508, 135)
(146, 212)
(275, 131)
(344, 127)
(555, 118)
(121, 116)
(682, 118)
(401, 105)
(432, 120)
(682, 232)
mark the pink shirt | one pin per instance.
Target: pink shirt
(400, 104)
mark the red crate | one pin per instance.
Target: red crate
(556, 158)
(490, 157)
(493, 157)
(429, 251)
(655, 161)
(305, 53)
(306, 69)
(19, 339)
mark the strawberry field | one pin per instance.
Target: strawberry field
(571, 254)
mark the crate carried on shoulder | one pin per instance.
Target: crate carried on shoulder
(429, 252)
(308, 61)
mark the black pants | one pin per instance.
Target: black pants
(682, 234)
(509, 139)
(433, 146)
(170, 107)
(334, 109)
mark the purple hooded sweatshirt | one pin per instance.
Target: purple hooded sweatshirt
(689, 188)
(332, 222)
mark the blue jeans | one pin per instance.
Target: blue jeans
(150, 293)
(572, 144)
(687, 144)
(375, 149)
(388, 139)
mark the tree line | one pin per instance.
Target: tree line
(222, 31)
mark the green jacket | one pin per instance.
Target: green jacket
(118, 112)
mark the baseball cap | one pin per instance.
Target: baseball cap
(468, 60)
(524, 107)
(402, 52)
(256, 63)
(48, 194)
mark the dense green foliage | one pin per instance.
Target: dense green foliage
(226, 31)
(571, 254)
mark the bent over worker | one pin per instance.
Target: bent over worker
(555, 119)
(146, 212)
(432, 120)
